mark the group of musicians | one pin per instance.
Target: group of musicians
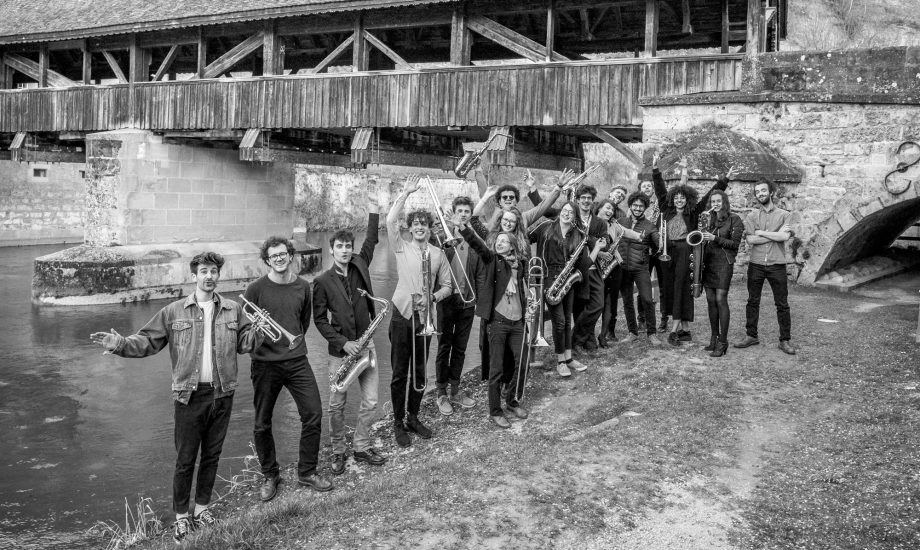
(572, 263)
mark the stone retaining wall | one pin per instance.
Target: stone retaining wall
(844, 149)
(41, 203)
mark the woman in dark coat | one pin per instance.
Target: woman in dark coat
(681, 210)
(721, 240)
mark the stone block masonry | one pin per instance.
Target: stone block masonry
(41, 203)
(844, 149)
(141, 190)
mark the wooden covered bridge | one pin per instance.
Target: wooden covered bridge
(348, 83)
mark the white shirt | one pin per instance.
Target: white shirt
(207, 368)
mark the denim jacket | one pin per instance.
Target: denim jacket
(181, 325)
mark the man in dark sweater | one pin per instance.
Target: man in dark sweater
(343, 315)
(282, 364)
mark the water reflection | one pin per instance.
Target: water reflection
(83, 432)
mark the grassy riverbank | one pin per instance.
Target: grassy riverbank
(649, 449)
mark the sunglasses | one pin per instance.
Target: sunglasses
(508, 197)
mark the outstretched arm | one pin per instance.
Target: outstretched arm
(411, 186)
(373, 223)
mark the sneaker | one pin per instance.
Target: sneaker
(402, 438)
(786, 347)
(463, 399)
(370, 456)
(181, 530)
(536, 364)
(577, 365)
(315, 482)
(269, 487)
(630, 337)
(641, 325)
(684, 336)
(444, 406)
(563, 370)
(654, 340)
(519, 412)
(204, 519)
(500, 421)
(414, 425)
(748, 341)
(338, 463)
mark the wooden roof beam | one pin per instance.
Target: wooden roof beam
(621, 147)
(333, 55)
(510, 39)
(167, 63)
(377, 43)
(33, 70)
(236, 54)
(113, 63)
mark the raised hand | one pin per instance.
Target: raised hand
(373, 203)
(413, 182)
(529, 180)
(108, 340)
(566, 175)
(732, 172)
(656, 156)
(683, 163)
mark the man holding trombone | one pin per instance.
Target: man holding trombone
(455, 313)
(281, 362)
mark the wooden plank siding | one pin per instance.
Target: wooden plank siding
(596, 93)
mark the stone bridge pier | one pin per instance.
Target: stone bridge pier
(151, 205)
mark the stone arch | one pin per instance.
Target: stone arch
(864, 231)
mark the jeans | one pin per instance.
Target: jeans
(201, 424)
(267, 380)
(455, 323)
(367, 384)
(588, 311)
(776, 275)
(403, 341)
(561, 317)
(504, 335)
(643, 281)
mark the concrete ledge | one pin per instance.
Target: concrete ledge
(86, 275)
(709, 98)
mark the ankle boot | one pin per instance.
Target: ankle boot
(719, 350)
(712, 343)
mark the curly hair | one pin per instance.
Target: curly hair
(507, 187)
(770, 185)
(272, 241)
(637, 196)
(206, 258)
(688, 192)
(586, 190)
(420, 215)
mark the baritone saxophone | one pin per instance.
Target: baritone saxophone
(355, 364)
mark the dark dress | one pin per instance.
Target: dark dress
(719, 256)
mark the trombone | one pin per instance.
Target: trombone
(533, 322)
(450, 240)
(271, 328)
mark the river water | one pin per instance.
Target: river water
(82, 433)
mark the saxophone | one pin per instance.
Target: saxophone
(355, 364)
(567, 277)
(607, 266)
(695, 239)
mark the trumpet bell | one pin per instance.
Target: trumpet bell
(664, 258)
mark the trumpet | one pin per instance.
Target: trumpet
(471, 159)
(663, 236)
(576, 181)
(271, 328)
(450, 240)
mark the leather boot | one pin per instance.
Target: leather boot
(719, 350)
(712, 343)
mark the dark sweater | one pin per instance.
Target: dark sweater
(290, 306)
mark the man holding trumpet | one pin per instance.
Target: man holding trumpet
(286, 297)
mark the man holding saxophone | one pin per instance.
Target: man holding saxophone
(283, 363)
(420, 269)
(344, 313)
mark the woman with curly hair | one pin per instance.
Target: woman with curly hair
(721, 240)
(681, 208)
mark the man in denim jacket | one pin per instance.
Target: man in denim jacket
(205, 333)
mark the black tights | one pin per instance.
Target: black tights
(717, 300)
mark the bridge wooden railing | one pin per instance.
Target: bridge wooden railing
(586, 93)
